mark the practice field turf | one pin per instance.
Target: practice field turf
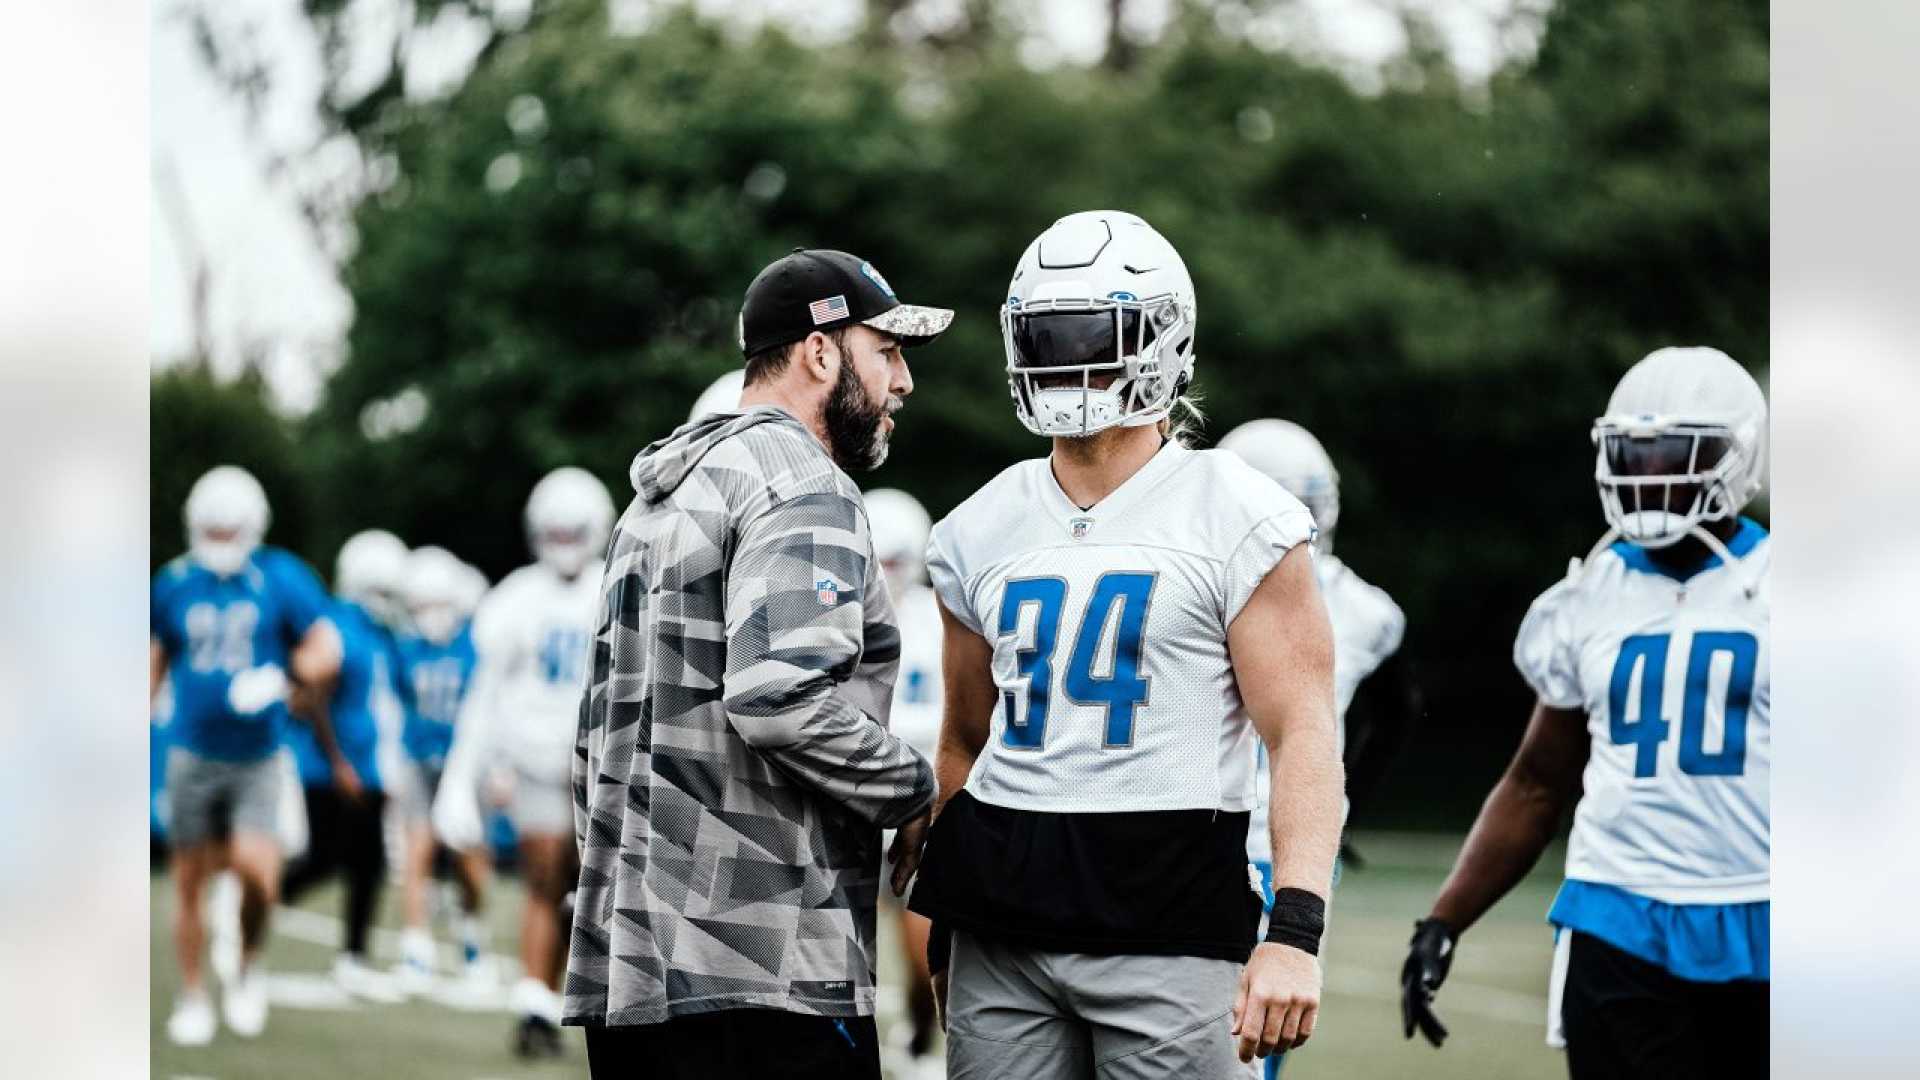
(1494, 1002)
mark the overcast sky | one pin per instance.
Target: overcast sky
(275, 294)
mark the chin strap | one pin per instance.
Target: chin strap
(1749, 588)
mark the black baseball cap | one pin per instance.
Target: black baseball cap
(821, 289)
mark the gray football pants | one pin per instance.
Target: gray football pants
(1015, 1012)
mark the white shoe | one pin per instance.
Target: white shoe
(414, 973)
(245, 1002)
(192, 1022)
(223, 917)
(362, 981)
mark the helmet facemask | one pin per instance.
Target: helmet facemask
(1057, 349)
(1659, 481)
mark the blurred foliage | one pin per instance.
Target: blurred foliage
(1442, 281)
(198, 422)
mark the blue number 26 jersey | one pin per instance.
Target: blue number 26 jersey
(213, 628)
(1674, 679)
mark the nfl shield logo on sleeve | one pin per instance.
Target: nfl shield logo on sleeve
(828, 593)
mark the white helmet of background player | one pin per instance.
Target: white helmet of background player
(569, 516)
(722, 396)
(1294, 459)
(1683, 442)
(1099, 295)
(226, 517)
(436, 591)
(473, 588)
(900, 530)
(371, 570)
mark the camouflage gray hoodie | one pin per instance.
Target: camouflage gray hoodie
(733, 768)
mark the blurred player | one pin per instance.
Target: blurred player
(900, 529)
(722, 396)
(346, 785)
(517, 727)
(436, 666)
(1367, 624)
(1122, 620)
(1651, 663)
(229, 619)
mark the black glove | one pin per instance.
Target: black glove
(1429, 956)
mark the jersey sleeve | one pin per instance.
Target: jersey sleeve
(1544, 652)
(158, 599)
(303, 597)
(1255, 556)
(949, 584)
(1384, 625)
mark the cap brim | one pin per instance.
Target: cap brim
(912, 324)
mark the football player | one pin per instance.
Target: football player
(1123, 620)
(436, 666)
(1367, 624)
(517, 726)
(230, 619)
(1651, 664)
(722, 396)
(346, 784)
(900, 530)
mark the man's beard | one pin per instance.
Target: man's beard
(854, 435)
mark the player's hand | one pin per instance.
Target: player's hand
(253, 691)
(1279, 1000)
(348, 781)
(908, 841)
(1428, 958)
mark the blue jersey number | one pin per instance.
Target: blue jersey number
(221, 638)
(1120, 601)
(1636, 719)
(563, 656)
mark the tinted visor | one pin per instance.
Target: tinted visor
(1078, 338)
(1674, 454)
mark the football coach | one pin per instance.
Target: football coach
(733, 769)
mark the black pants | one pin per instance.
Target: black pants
(748, 1043)
(343, 836)
(1627, 1019)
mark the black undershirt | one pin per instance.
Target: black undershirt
(1153, 882)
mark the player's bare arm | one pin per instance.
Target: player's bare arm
(1515, 825)
(966, 662)
(157, 669)
(315, 663)
(1282, 649)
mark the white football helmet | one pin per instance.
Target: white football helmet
(226, 516)
(474, 588)
(722, 396)
(1683, 442)
(436, 590)
(1294, 459)
(900, 530)
(569, 517)
(1099, 294)
(370, 571)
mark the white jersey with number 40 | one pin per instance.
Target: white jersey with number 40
(1109, 630)
(1674, 679)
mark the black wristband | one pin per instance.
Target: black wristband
(1298, 919)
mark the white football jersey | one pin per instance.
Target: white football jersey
(916, 693)
(1109, 629)
(531, 635)
(1367, 627)
(1674, 679)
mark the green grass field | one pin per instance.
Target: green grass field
(1494, 1002)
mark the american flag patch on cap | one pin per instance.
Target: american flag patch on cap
(826, 311)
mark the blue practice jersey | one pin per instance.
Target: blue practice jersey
(366, 711)
(213, 628)
(433, 682)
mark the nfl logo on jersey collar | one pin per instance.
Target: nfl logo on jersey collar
(1080, 527)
